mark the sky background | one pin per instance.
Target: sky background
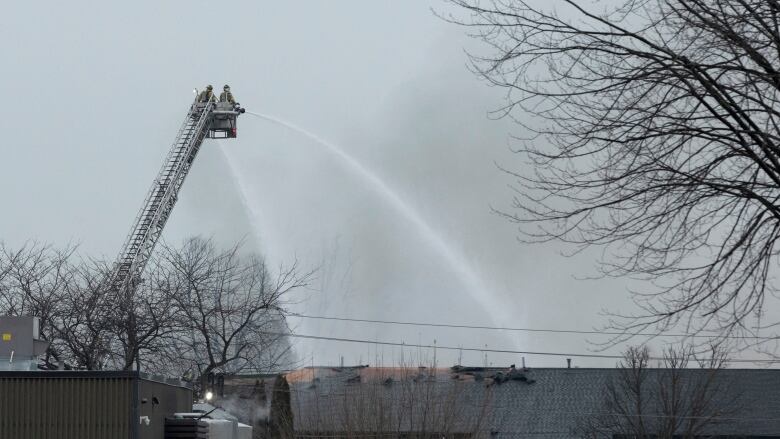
(95, 92)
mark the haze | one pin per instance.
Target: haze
(95, 91)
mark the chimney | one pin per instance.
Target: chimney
(523, 363)
(568, 363)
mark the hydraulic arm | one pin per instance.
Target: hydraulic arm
(204, 119)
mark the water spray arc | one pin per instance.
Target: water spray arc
(238, 179)
(469, 278)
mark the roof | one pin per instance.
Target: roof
(92, 374)
(508, 403)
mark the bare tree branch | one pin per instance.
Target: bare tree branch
(651, 131)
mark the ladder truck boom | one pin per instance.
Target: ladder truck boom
(216, 120)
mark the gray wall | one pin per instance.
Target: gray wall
(172, 399)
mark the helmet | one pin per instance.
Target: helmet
(226, 87)
(209, 87)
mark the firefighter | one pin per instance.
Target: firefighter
(207, 94)
(226, 95)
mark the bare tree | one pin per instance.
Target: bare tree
(145, 321)
(67, 296)
(83, 327)
(5, 268)
(196, 307)
(230, 307)
(668, 401)
(651, 132)
(33, 281)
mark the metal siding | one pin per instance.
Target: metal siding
(172, 399)
(65, 407)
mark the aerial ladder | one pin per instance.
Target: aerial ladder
(213, 120)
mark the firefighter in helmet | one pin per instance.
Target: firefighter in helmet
(226, 95)
(206, 95)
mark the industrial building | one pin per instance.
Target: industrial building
(487, 402)
(88, 404)
(68, 404)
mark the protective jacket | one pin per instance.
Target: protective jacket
(206, 96)
(227, 96)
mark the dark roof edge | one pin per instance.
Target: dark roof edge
(105, 374)
(725, 369)
(68, 374)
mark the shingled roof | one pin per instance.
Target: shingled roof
(506, 403)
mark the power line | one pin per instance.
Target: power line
(498, 351)
(548, 330)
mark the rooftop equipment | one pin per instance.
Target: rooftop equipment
(219, 423)
(20, 345)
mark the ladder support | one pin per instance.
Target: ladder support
(161, 197)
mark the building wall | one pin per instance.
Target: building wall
(170, 399)
(86, 405)
(44, 406)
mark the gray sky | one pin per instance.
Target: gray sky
(95, 92)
